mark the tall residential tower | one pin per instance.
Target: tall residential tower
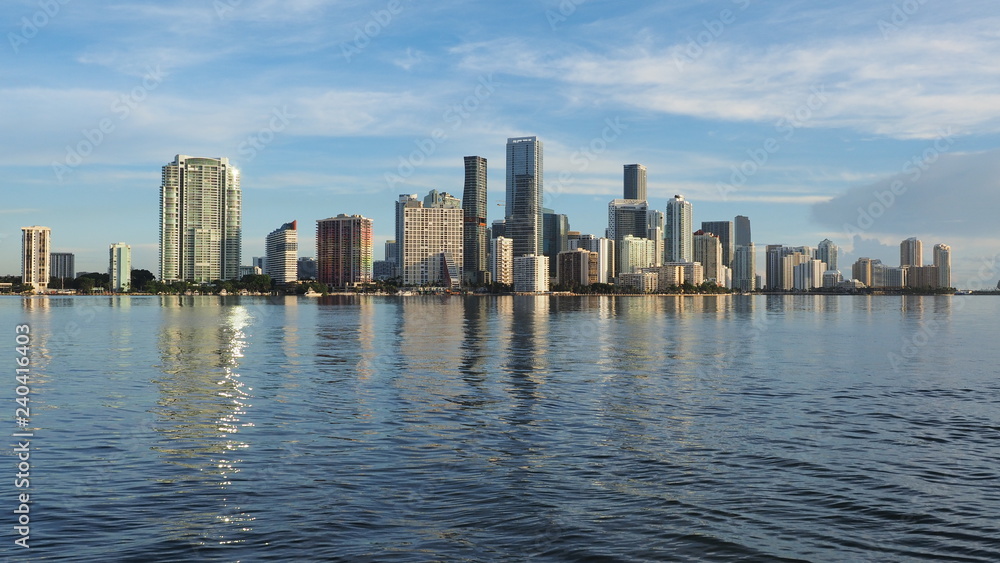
(679, 233)
(281, 249)
(35, 246)
(524, 195)
(474, 265)
(344, 250)
(200, 220)
(635, 182)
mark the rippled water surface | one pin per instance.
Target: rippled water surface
(514, 428)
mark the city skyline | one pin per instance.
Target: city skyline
(746, 109)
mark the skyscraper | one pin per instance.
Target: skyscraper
(828, 252)
(401, 203)
(708, 252)
(443, 200)
(679, 232)
(745, 268)
(635, 182)
(555, 237)
(742, 228)
(942, 259)
(120, 267)
(862, 271)
(531, 274)
(474, 230)
(200, 220)
(431, 239)
(911, 252)
(63, 266)
(524, 195)
(723, 230)
(604, 247)
(502, 260)
(36, 243)
(655, 223)
(344, 247)
(282, 250)
(626, 217)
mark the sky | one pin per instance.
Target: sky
(866, 122)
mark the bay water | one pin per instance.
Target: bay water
(511, 428)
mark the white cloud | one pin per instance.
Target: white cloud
(924, 79)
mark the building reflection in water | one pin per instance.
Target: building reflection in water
(201, 409)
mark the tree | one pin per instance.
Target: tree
(139, 279)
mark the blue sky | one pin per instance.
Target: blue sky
(865, 122)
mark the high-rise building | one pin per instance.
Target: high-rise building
(605, 254)
(655, 231)
(742, 231)
(807, 275)
(442, 200)
(531, 274)
(626, 217)
(723, 230)
(911, 252)
(401, 203)
(578, 267)
(778, 270)
(796, 256)
(555, 238)
(636, 253)
(502, 260)
(390, 251)
(36, 244)
(635, 182)
(259, 262)
(499, 228)
(708, 253)
(942, 259)
(524, 195)
(832, 278)
(62, 265)
(679, 233)
(745, 268)
(120, 267)
(885, 276)
(923, 277)
(431, 239)
(828, 252)
(306, 268)
(474, 267)
(862, 271)
(344, 248)
(200, 220)
(282, 250)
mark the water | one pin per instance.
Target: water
(760, 428)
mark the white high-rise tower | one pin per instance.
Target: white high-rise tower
(679, 233)
(200, 220)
